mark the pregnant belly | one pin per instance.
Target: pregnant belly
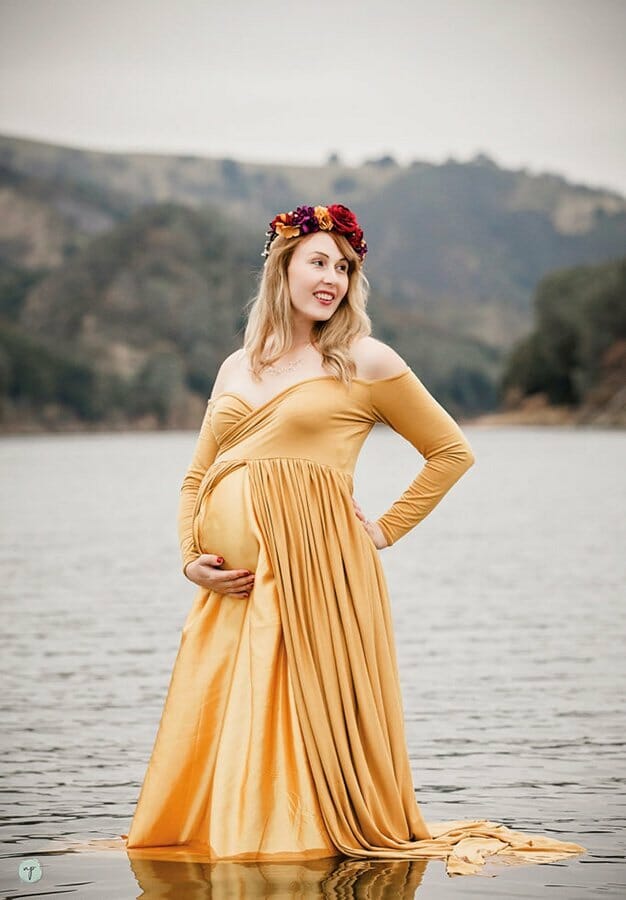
(224, 522)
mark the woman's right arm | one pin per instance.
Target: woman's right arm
(204, 567)
(205, 452)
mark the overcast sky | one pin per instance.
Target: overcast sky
(534, 83)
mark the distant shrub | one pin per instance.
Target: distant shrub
(579, 314)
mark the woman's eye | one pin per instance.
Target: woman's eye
(342, 267)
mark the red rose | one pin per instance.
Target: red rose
(285, 218)
(343, 218)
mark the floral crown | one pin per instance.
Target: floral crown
(308, 219)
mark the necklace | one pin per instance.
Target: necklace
(282, 370)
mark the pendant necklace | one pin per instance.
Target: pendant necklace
(283, 370)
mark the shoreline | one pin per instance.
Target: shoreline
(600, 418)
(608, 412)
(552, 417)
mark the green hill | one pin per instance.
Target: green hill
(144, 315)
(137, 267)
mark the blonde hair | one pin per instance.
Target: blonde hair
(268, 333)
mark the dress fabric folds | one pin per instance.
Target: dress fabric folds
(282, 736)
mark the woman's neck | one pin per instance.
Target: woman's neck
(299, 341)
(301, 337)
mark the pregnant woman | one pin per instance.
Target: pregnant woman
(282, 735)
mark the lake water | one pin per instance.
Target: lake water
(511, 627)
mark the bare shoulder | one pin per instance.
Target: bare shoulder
(229, 366)
(374, 359)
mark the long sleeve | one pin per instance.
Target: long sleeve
(205, 452)
(405, 405)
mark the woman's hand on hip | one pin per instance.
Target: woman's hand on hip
(205, 572)
(374, 530)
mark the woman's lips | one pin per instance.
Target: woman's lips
(323, 301)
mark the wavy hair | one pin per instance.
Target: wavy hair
(268, 333)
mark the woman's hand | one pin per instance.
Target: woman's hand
(205, 572)
(374, 530)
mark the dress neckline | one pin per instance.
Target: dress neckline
(297, 384)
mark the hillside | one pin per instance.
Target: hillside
(475, 240)
(145, 314)
(462, 243)
(129, 272)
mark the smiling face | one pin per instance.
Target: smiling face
(317, 276)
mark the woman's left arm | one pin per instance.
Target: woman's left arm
(403, 403)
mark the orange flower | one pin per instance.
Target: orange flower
(287, 231)
(323, 219)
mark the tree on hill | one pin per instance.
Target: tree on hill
(580, 314)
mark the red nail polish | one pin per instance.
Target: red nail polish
(220, 560)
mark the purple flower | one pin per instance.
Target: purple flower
(304, 216)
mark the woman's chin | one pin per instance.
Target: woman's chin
(318, 315)
(323, 313)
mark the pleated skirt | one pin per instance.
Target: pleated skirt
(282, 736)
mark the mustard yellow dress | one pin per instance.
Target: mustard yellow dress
(282, 736)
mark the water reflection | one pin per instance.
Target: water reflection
(333, 878)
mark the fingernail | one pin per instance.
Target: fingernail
(220, 560)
